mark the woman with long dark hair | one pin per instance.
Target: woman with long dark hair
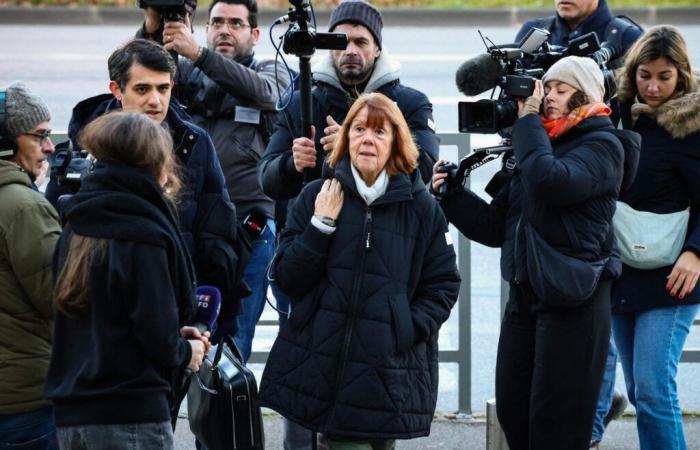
(655, 300)
(125, 285)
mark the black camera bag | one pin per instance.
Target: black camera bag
(230, 418)
(557, 279)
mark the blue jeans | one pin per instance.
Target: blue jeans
(128, 436)
(650, 345)
(256, 276)
(34, 430)
(606, 393)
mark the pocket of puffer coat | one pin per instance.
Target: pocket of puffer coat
(403, 322)
(305, 309)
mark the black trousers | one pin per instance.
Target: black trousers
(549, 371)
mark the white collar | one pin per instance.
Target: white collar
(370, 193)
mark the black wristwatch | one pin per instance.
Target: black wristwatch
(328, 221)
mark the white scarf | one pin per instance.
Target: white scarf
(370, 193)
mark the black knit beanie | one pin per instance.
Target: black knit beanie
(358, 12)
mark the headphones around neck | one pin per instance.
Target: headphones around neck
(8, 146)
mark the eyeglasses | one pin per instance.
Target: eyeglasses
(43, 136)
(218, 23)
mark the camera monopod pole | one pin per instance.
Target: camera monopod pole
(302, 40)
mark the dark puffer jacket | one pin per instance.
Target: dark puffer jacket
(668, 180)
(359, 357)
(566, 188)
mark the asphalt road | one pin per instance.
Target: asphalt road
(65, 64)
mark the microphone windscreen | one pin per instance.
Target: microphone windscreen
(208, 306)
(478, 74)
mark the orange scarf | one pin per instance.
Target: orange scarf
(557, 127)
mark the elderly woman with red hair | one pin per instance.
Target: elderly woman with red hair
(367, 258)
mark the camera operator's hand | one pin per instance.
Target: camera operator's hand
(329, 200)
(438, 178)
(304, 152)
(177, 36)
(533, 102)
(151, 20)
(331, 133)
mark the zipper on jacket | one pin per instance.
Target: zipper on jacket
(368, 228)
(356, 284)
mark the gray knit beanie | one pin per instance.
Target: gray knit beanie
(358, 12)
(583, 74)
(25, 110)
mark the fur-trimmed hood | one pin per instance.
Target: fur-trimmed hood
(386, 70)
(679, 116)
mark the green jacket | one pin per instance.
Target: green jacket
(29, 230)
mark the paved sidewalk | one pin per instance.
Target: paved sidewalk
(453, 434)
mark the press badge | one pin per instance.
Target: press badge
(448, 238)
(247, 115)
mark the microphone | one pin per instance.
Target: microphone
(208, 307)
(478, 74)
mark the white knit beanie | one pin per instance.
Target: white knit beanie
(583, 74)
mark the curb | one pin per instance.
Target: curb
(93, 15)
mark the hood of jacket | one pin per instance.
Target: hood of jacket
(11, 173)
(630, 140)
(386, 70)
(680, 116)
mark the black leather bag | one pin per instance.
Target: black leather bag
(557, 279)
(222, 402)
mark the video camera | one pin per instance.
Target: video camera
(67, 168)
(515, 68)
(170, 10)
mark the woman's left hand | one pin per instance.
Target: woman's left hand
(684, 275)
(533, 102)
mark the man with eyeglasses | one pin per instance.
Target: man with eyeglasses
(232, 95)
(29, 230)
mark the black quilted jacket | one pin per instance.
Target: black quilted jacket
(358, 357)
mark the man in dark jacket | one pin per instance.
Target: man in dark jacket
(141, 74)
(339, 79)
(575, 18)
(233, 96)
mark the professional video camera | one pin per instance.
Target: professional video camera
(514, 68)
(68, 167)
(170, 10)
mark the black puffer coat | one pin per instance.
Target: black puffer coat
(566, 189)
(359, 357)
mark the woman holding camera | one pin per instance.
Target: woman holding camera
(371, 271)
(552, 221)
(125, 284)
(655, 301)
